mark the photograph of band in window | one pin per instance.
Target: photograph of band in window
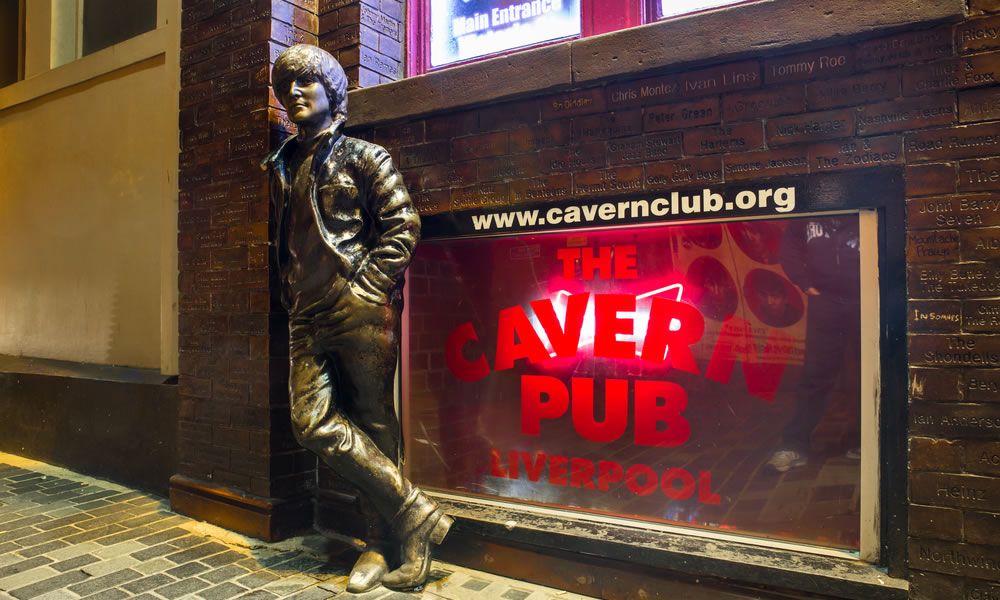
(703, 375)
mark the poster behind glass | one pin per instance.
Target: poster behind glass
(464, 29)
(654, 373)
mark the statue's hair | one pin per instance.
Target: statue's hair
(303, 59)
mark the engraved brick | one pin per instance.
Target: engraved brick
(479, 146)
(400, 134)
(981, 244)
(545, 135)
(973, 280)
(574, 158)
(811, 127)
(963, 141)
(856, 154)
(856, 89)
(724, 78)
(979, 105)
(430, 203)
(979, 175)
(955, 559)
(616, 181)
(381, 23)
(452, 125)
(978, 34)
(735, 137)
(380, 63)
(982, 527)
(520, 166)
(584, 102)
(939, 245)
(955, 350)
(653, 90)
(960, 211)
(934, 316)
(509, 115)
(676, 173)
(628, 150)
(768, 102)
(484, 195)
(984, 6)
(542, 189)
(982, 458)
(660, 146)
(424, 154)
(608, 125)
(932, 454)
(905, 48)
(681, 114)
(766, 163)
(926, 180)
(913, 113)
(935, 522)
(957, 73)
(964, 491)
(981, 316)
(809, 65)
(442, 176)
(955, 420)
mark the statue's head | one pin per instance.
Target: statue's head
(304, 64)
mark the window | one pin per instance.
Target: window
(448, 32)
(11, 41)
(697, 375)
(82, 27)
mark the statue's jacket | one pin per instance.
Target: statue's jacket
(362, 213)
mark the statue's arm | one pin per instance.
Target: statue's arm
(398, 227)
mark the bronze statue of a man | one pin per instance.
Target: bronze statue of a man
(345, 232)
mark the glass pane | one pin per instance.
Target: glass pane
(704, 375)
(9, 41)
(463, 29)
(107, 22)
(672, 8)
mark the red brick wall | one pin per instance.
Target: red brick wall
(924, 100)
(234, 429)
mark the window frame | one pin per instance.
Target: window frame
(627, 13)
(883, 469)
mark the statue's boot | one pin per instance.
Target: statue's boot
(368, 572)
(419, 523)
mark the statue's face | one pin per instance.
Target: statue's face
(306, 100)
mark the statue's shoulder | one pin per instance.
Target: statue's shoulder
(364, 149)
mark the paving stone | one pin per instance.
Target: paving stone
(23, 522)
(153, 552)
(153, 566)
(257, 595)
(223, 558)
(74, 550)
(74, 563)
(258, 579)
(42, 586)
(73, 519)
(96, 494)
(148, 583)
(45, 536)
(16, 534)
(314, 593)
(42, 548)
(106, 567)
(127, 547)
(112, 594)
(94, 504)
(187, 570)
(223, 591)
(181, 588)
(222, 574)
(23, 565)
(57, 595)
(97, 584)
(288, 585)
(162, 536)
(188, 541)
(196, 552)
(93, 534)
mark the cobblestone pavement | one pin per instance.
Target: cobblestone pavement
(67, 536)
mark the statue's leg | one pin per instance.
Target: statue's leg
(366, 365)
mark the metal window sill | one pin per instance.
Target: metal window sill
(774, 568)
